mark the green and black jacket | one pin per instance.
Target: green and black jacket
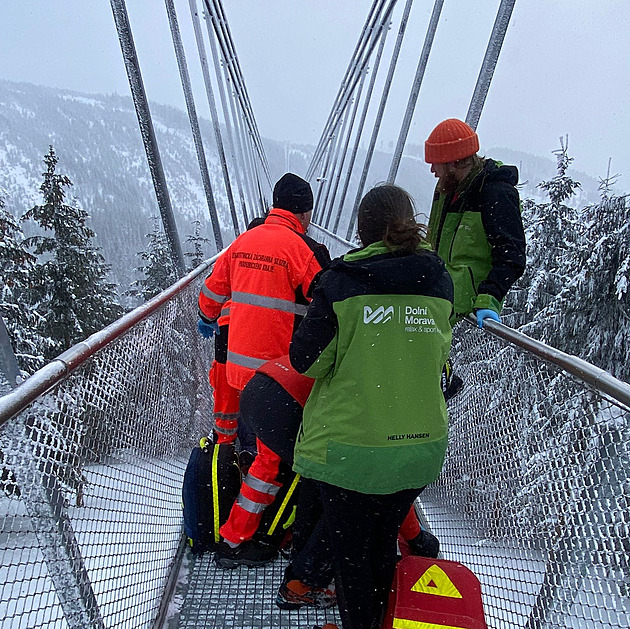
(478, 232)
(375, 337)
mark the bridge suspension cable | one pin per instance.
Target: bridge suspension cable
(489, 62)
(367, 43)
(194, 121)
(147, 131)
(415, 90)
(228, 50)
(233, 142)
(379, 116)
(213, 113)
(329, 141)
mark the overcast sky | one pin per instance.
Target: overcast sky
(564, 67)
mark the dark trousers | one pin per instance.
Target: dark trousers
(271, 414)
(359, 532)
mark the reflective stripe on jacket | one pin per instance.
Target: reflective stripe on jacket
(266, 273)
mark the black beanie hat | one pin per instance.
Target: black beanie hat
(292, 193)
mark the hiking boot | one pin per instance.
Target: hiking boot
(328, 625)
(248, 554)
(294, 594)
(424, 544)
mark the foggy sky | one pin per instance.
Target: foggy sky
(564, 67)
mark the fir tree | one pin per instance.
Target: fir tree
(16, 299)
(197, 241)
(158, 270)
(552, 231)
(69, 280)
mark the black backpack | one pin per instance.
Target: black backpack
(211, 484)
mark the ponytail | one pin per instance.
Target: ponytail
(405, 235)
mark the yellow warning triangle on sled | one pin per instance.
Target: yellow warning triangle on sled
(436, 581)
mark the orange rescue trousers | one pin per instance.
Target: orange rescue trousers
(258, 491)
(226, 404)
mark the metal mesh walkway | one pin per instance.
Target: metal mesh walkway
(243, 598)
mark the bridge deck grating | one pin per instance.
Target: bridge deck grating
(243, 598)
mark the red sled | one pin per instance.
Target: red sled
(434, 594)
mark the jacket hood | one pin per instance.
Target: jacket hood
(278, 216)
(384, 270)
(496, 171)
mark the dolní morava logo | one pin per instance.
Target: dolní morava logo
(380, 315)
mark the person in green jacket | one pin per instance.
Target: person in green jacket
(475, 223)
(375, 338)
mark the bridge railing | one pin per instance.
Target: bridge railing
(94, 448)
(534, 497)
(535, 493)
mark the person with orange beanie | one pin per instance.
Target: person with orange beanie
(475, 224)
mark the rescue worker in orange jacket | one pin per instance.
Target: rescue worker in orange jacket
(226, 397)
(267, 275)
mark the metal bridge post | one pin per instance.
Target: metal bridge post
(489, 62)
(9, 370)
(147, 131)
(194, 122)
(415, 90)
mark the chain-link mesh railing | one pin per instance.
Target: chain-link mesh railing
(535, 493)
(91, 518)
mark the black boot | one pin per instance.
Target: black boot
(424, 544)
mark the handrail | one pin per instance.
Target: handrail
(56, 370)
(578, 367)
(334, 236)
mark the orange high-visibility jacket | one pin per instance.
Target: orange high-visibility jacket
(266, 273)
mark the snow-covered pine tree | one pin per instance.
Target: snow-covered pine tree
(158, 269)
(592, 313)
(17, 307)
(70, 277)
(197, 241)
(552, 231)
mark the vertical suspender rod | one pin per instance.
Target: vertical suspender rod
(415, 90)
(147, 131)
(194, 122)
(213, 112)
(489, 62)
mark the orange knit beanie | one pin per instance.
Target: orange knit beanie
(451, 140)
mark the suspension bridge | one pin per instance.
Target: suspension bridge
(535, 493)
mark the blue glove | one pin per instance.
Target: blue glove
(207, 330)
(486, 313)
